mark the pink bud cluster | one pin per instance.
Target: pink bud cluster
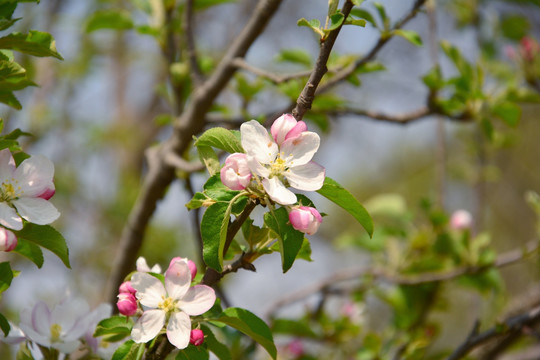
(127, 296)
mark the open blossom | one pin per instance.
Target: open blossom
(282, 161)
(305, 219)
(59, 328)
(461, 219)
(142, 266)
(8, 240)
(24, 191)
(171, 304)
(235, 174)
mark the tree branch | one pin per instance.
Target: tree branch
(304, 101)
(191, 122)
(196, 74)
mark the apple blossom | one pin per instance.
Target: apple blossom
(24, 191)
(235, 174)
(285, 164)
(196, 337)
(60, 328)
(460, 220)
(305, 219)
(8, 240)
(286, 127)
(171, 304)
(190, 263)
(127, 304)
(142, 266)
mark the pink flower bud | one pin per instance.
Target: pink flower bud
(48, 193)
(529, 48)
(296, 348)
(191, 265)
(126, 288)
(196, 337)
(286, 127)
(460, 220)
(305, 219)
(235, 174)
(127, 304)
(8, 240)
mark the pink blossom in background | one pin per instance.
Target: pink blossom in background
(461, 219)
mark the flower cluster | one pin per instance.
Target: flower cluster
(169, 303)
(24, 194)
(273, 163)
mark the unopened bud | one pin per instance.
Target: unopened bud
(286, 127)
(196, 337)
(235, 174)
(305, 219)
(191, 265)
(127, 304)
(126, 288)
(8, 240)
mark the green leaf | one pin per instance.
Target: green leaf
(249, 324)
(290, 239)
(433, 79)
(253, 234)
(116, 19)
(313, 24)
(7, 23)
(220, 350)
(296, 56)
(382, 14)
(305, 251)
(221, 138)
(293, 327)
(459, 61)
(198, 200)
(508, 112)
(6, 276)
(114, 325)
(129, 351)
(335, 21)
(9, 99)
(4, 325)
(364, 14)
(410, 35)
(214, 224)
(203, 4)
(209, 158)
(193, 353)
(355, 22)
(343, 198)
(30, 250)
(357, 2)
(515, 27)
(34, 43)
(46, 236)
(214, 189)
(332, 6)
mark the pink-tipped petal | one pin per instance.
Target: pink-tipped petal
(177, 279)
(300, 149)
(281, 127)
(299, 128)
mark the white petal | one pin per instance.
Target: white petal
(142, 265)
(9, 217)
(150, 291)
(300, 149)
(7, 165)
(148, 326)
(35, 175)
(35, 323)
(257, 142)
(198, 300)
(36, 210)
(308, 177)
(278, 192)
(70, 315)
(256, 167)
(179, 329)
(177, 279)
(67, 347)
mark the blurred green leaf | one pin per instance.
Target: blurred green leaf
(217, 348)
(410, 35)
(204, 4)
(364, 14)
(6, 276)
(7, 23)
(515, 27)
(29, 250)
(129, 351)
(335, 21)
(112, 19)
(248, 323)
(34, 43)
(296, 56)
(508, 112)
(293, 327)
(313, 24)
(4, 325)
(193, 353)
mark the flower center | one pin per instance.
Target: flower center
(56, 330)
(168, 304)
(278, 166)
(9, 192)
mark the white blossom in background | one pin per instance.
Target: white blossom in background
(25, 190)
(171, 304)
(460, 220)
(282, 161)
(142, 266)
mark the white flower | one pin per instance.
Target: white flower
(172, 303)
(24, 189)
(60, 328)
(142, 266)
(286, 164)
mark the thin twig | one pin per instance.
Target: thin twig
(195, 71)
(274, 78)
